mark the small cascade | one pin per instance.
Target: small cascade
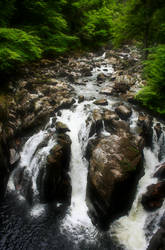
(77, 217)
(23, 179)
(104, 132)
(132, 230)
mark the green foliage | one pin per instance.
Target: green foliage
(51, 27)
(97, 26)
(7, 9)
(153, 94)
(17, 46)
(59, 43)
(91, 20)
(144, 21)
(140, 20)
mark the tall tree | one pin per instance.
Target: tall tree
(137, 21)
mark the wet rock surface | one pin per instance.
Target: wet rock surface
(123, 112)
(114, 152)
(61, 127)
(157, 242)
(114, 167)
(145, 122)
(96, 122)
(153, 198)
(160, 173)
(56, 184)
(47, 87)
(102, 102)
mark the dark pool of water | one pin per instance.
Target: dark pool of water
(18, 230)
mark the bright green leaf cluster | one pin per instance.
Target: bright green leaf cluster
(17, 46)
(153, 94)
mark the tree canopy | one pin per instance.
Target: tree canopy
(31, 29)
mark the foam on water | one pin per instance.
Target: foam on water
(37, 210)
(33, 157)
(77, 217)
(130, 230)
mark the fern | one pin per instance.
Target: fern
(153, 95)
(17, 46)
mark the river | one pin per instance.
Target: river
(34, 225)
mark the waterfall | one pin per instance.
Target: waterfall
(77, 217)
(131, 231)
(33, 157)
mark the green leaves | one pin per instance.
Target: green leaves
(96, 28)
(17, 46)
(140, 20)
(153, 94)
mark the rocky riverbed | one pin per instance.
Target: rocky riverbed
(101, 87)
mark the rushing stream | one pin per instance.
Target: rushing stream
(33, 225)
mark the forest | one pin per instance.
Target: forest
(32, 29)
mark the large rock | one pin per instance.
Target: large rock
(157, 242)
(125, 79)
(66, 103)
(123, 112)
(114, 165)
(145, 122)
(56, 179)
(102, 102)
(153, 198)
(160, 173)
(61, 127)
(97, 123)
(101, 77)
(86, 71)
(120, 88)
(107, 90)
(110, 120)
(81, 98)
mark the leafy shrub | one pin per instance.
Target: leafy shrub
(17, 46)
(97, 27)
(59, 43)
(153, 94)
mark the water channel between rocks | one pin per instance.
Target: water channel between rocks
(43, 226)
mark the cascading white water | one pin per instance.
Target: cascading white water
(77, 217)
(131, 230)
(33, 157)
